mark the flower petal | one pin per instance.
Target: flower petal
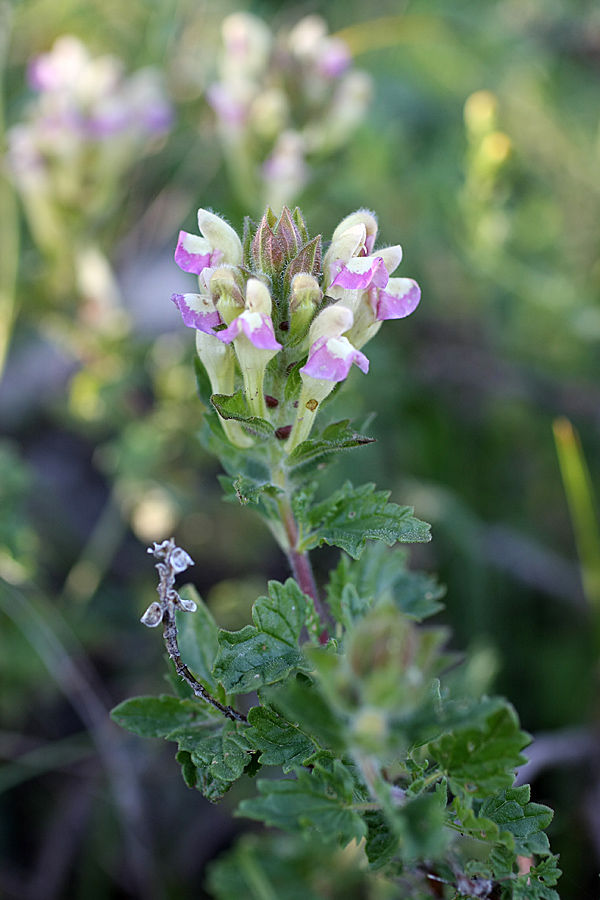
(330, 359)
(198, 311)
(258, 328)
(391, 256)
(399, 299)
(194, 253)
(362, 272)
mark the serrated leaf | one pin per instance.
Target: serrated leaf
(220, 760)
(309, 455)
(382, 840)
(248, 490)
(265, 652)
(188, 769)
(233, 406)
(482, 758)
(380, 574)
(318, 799)
(301, 702)
(351, 516)
(158, 716)
(197, 636)
(511, 810)
(280, 743)
(482, 829)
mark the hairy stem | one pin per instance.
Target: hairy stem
(300, 563)
(170, 635)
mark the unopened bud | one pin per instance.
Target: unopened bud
(267, 250)
(305, 297)
(226, 291)
(221, 236)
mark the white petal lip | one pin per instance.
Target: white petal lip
(397, 300)
(194, 253)
(257, 327)
(221, 236)
(330, 359)
(197, 311)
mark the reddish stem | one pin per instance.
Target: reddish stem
(301, 566)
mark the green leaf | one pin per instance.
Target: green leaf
(511, 810)
(482, 758)
(277, 866)
(482, 829)
(351, 516)
(220, 759)
(280, 743)
(247, 490)
(380, 574)
(300, 700)
(309, 455)
(234, 460)
(203, 384)
(158, 716)
(382, 840)
(422, 825)
(188, 769)
(197, 636)
(233, 406)
(318, 799)
(265, 652)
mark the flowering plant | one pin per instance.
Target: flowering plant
(361, 708)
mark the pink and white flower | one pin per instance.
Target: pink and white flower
(331, 355)
(218, 245)
(198, 311)
(398, 299)
(255, 321)
(331, 359)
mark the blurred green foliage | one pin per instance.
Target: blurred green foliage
(480, 154)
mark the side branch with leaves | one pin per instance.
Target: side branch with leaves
(377, 733)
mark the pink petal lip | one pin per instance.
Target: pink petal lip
(194, 262)
(330, 359)
(361, 273)
(258, 328)
(197, 312)
(400, 301)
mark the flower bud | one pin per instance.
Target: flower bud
(226, 291)
(305, 297)
(221, 236)
(267, 250)
(360, 217)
